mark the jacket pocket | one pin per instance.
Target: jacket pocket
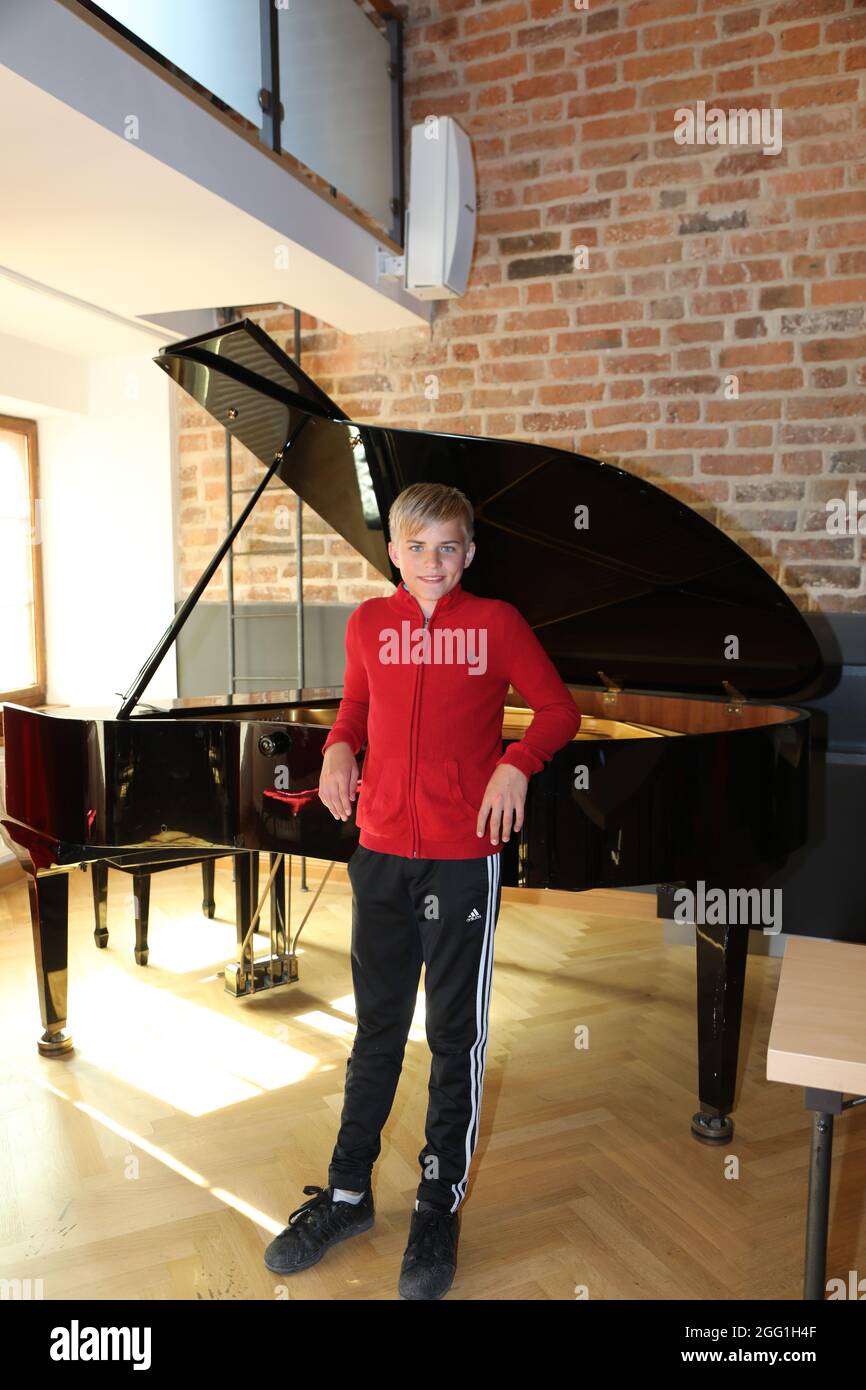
(444, 812)
(460, 797)
(383, 804)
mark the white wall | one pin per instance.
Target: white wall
(107, 519)
(108, 547)
(36, 379)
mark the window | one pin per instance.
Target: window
(22, 647)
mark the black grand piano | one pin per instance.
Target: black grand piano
(677, 644)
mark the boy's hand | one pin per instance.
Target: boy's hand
(338, 780)
(505, 796)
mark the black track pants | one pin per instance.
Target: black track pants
(441, 913)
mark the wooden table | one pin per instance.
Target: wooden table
(818, 1041)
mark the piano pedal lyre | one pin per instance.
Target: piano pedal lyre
(265, 973)
(251, 974)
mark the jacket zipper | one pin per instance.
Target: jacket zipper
(416, 838)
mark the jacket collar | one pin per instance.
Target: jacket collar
(407, 603)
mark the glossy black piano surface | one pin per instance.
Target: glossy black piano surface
(680, 649)
(679, 788)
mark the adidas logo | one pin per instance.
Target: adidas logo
(474, 915)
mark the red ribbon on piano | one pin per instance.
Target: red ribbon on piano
(296, 801)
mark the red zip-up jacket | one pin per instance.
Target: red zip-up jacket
(433, 721)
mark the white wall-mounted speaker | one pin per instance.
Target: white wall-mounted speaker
(440, 218)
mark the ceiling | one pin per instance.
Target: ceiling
(97, 234)
(40, 315)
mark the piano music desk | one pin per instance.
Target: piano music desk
(818, 1041)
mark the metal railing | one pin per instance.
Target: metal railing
(318, 80)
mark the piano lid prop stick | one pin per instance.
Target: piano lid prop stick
(139, 685)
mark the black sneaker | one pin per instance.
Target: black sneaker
(315, 1227)
(430, 1261)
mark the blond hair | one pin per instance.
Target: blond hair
(425, 504)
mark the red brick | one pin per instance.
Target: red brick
(839, 291)
(543, 86)
(608, 446)
(806, 66)
(736, 464)
(651, 11)
(805, 36)
(614, 45)
(690, 438)
(658, 64)
(755, 46)
(506, 17)
(496, 69)
(845, 30)
(668, 35)
(821, 94)
(484, 47)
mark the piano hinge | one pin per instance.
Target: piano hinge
(736, 700)
(613, 689)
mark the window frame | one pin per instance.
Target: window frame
(35, 694)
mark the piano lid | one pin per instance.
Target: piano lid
(613, 574)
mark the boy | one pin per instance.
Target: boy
(427, 673)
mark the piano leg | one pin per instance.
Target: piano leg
(99, 880)
(141, 902)
(208, 902)
(49, 915)
(721, 965)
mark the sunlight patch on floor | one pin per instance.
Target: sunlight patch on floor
(185, 1054)
(137, 1141)
(345, 1004)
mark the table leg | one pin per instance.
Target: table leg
(823, 1104)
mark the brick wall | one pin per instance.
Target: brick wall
(714, 339)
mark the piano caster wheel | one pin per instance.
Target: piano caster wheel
(141, 956)
(712, 1129)
(55, 1044)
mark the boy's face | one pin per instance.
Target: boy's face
(433, 560)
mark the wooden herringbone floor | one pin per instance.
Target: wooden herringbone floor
(158, 1160)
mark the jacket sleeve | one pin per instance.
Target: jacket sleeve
(537, 681)
(350, 726)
